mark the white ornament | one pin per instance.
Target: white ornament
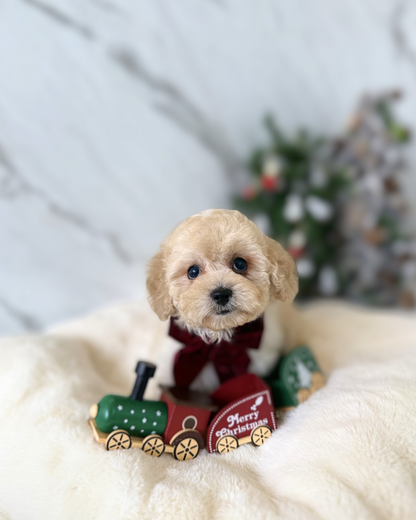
(320, 209)
(155, 423)
(131, 411)
(144, 419)
(143, 411)
(293, 210)
(306, 267)
(126, 420)
(158, 413)
(132, 427)
(297, 239)
(119, 407)
(327, 281)
(272, 167)
(262, 221)
(304, 375)
(372, 184)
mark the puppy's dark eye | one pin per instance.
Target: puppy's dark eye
(239, 264)
(193, 272)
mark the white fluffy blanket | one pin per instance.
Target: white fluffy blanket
(349, 452)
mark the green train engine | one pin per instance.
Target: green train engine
(176, 424)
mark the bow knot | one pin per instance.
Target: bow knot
(230, 358)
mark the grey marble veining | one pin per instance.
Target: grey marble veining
(120, 119)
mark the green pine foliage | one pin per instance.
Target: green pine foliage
(298, 157)
(302, 187)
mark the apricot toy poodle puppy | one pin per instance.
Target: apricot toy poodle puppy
(217, 271)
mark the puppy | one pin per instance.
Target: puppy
(217, 271)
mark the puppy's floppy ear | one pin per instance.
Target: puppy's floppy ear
(157, 286)
(283, 272)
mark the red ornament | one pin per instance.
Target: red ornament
(269, 183)
(296, 252)
(249, 192)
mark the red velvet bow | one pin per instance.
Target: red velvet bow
(229, 357)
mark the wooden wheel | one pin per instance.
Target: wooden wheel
(260, 434)
(227, 443)
(303, 394)
(318, 380)
(118, 440)
(153, 445)
(186, 449)
(94, 410)
(185, 434)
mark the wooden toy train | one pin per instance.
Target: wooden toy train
(240, 411)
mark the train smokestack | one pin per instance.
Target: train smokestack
(144, 372)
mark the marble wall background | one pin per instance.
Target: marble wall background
(118, 119)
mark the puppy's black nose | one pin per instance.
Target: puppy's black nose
(221, 295)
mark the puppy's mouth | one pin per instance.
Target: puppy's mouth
(223, 312)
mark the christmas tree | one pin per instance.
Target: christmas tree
(378, 257)
(336, 206)
(295, 197)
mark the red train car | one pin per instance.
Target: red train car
(247, 414)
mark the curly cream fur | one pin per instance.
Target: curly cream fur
(212, 239)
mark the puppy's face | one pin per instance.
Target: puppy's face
(217, 271)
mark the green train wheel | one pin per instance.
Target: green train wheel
(118, 440)
(153, 445)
